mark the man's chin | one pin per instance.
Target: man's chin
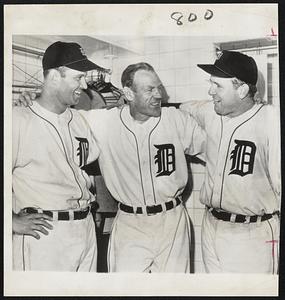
(217, 110)
(76, 100)
(157, 114)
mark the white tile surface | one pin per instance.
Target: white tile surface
(152, 59)
(198, 248)
(182, 93)
(167, 77)
(181, 59)
(198, 204)
(182, 77)
(181, 43)
(198, 92)
(151, 45)
(198, 216)
(171, 93)
(198, 254)
(198, 76)
(198, 180)
(201, 56)
(166, 61)
(166, 44)
(190, 202)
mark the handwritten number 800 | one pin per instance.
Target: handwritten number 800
(177, 16)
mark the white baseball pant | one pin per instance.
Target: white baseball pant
(239, 247)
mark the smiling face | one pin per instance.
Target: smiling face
(70, 86)
(147, 95)
(227, 101)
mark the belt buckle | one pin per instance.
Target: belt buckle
(247, 220)
(147, 213)
(71, 215)
(233, 218)
(55, 215)
(135, 210)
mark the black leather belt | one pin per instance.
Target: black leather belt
(150, 210)
(65, 215)
(225, 216)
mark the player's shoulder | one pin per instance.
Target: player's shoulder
(197, 104)
(270, 108)
(267, 111)
(21, 113)
(90, 115)
(169, 110)
(99, 117)
(271, 115)
(174, 115)
(100, 112)
(77, 116)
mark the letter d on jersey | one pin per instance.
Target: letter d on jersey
(242, 158)
(82, 151)
(165, 159)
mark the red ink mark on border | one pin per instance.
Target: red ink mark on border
(272, 242)
(273, 33)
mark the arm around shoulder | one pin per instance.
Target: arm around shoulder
(199, 109)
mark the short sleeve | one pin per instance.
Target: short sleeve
(197, 109)
(191, 133)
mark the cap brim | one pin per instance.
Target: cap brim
(84, 66)
(213, 70)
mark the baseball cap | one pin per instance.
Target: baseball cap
(233, 64)
(70, 55)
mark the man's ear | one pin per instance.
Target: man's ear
(243, 90)
(54, 76)
(128, 93)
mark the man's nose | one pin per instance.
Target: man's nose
(212, 90)
(157, 93)
(83, 84)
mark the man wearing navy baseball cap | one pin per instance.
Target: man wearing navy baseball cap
(232, 69)
(69, 55)
(232, 64)
(242, 187)
(53, 229)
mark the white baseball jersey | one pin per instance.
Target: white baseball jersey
(143, 164)
(242, 177)
(48, 153)
(242, 159)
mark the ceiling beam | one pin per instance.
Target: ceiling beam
(27, 50)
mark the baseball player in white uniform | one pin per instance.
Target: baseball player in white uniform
(143, 164)
(51, 143)
(142, 161)
(242, 188)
